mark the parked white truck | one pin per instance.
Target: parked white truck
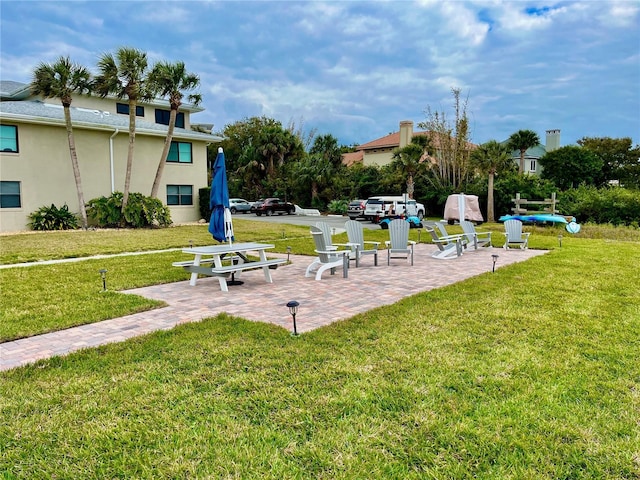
(383, 206)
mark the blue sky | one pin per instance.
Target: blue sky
(355, 69)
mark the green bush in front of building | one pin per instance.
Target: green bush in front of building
(53, 218)
(140, 212)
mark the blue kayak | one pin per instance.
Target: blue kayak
(535, 218)
(570, 225)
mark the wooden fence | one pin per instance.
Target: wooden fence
(548, 205)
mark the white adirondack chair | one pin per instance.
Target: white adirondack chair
(327, 259)
(479, 239)
(357, 243)
(399, 245)
(514, 235)
(448, 247)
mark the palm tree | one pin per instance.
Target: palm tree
(523, 140)
(125, 77)
(316, 171)
(409, 156)
(273, 145)
(62, 79)
(490, 158)
(170, 80)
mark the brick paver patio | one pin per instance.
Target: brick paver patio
(322, 302)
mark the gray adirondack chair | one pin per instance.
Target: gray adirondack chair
(444, 235)
(448, 247)
(479, 239)
(514, 235)
(327, 259)
(399, 245)
(325, 228)
(357, 243)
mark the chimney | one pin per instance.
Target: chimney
(553, 140)
(406, 132)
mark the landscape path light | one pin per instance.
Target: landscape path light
(103, 275)
(494, 257)
(293, 309)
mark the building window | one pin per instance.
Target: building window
(124, 109)
(532, 166)
(179, 195)
(10, 194)
(162, 117)
(9, 138)
(180, 152)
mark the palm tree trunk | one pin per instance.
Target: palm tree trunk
(76, 167)
(165, 152)
(132, 141)
(491, 217)
(521, 167)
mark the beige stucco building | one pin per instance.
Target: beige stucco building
(35, 166)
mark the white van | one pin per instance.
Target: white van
(382, 206)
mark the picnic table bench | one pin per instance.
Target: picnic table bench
(236, 253)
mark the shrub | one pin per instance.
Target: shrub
(53, 218)
(614, 205)
(338, 207)
(140, 211)
(204, 194)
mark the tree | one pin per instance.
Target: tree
(171, 80)
(490, 158)
(61, 80)
(125, 77)
(451, 145)
(571, 166)
(621, 161)
(523, 140)
(408, 159)
(259, 149)
(315, 171)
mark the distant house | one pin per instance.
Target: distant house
(35, 169)
(380, 151)
(531, 156)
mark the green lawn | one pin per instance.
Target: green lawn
(535, 375)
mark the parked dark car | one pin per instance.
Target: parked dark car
(355, 209)
(269, 206)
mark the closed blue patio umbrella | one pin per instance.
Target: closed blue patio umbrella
(220, 224)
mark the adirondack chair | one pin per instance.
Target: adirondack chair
(444, 235)
(327, 259)
(514, 235)
(355, 232)
(479, 239)
(399, 245)
(325, 228)
(448, 247)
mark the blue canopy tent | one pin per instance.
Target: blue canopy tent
(220, 224)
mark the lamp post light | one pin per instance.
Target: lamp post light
(560, 240)
(293, 309)
(288, 253)
(494, 257)
(103, 275)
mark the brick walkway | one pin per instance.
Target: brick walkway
(332, 299)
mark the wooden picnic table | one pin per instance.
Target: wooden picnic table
(209, 261)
